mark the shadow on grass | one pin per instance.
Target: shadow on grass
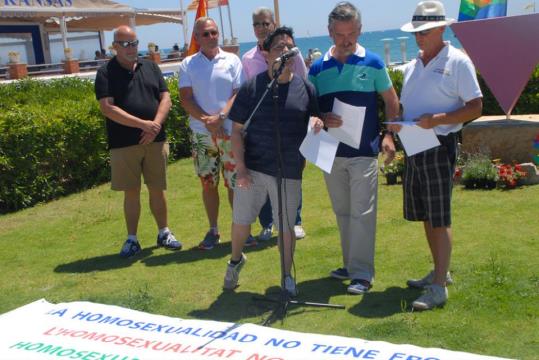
(313, 295)
(380, 304)
(195, 254)
(232, 306)
(103, 263)
(114, 261)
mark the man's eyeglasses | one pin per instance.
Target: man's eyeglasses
(423, 32)
(125, 44)
(281, 47)
(264, 24)
(208, 33)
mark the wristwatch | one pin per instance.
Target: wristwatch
(222, 116)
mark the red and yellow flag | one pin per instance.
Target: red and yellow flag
(202, 11)
(210, 4)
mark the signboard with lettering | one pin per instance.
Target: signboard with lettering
(37, 3)
(84, 330)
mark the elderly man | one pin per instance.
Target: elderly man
(440, 91)
(350, 73)
(254, 62)
(208, 83)
(134, 98)
(257, 155)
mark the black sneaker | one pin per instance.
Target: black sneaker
(130, 248)
(210, 240)
(250, 242)
(359, 286)
(340, 273)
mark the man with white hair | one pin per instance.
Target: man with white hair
(208, 84)
(440, 92)
(351, 74)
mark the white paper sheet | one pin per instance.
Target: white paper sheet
(353, 118)
(408, 123)
(415, 139)
(320, 149)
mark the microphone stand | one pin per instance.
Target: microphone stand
(284, 300)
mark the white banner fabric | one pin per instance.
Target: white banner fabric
(89, 331)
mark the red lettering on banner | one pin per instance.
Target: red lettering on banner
(262, 357)
(175, 348)
(140, 343)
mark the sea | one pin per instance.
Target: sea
(370, 40)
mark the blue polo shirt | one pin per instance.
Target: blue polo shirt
(357, 82)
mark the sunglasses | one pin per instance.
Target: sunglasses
(423, 32)
(125, 44)
(281, 47)
(264, 24)
(208, 33)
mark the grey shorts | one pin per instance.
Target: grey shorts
(249, 201)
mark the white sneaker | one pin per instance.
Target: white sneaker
(434, 296)
(299, 232)
(290, 286)
(232, 275)
(427, 280)
(265, 234)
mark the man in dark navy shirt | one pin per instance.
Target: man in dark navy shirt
(257, 158)
(134, 98)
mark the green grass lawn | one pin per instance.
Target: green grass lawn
(67, 250)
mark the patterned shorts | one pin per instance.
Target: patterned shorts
(212, 155)
(428, 183)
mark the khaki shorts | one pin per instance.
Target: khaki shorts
(128, 163)
(249, 201)
(211, 156)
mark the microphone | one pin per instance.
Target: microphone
(287, 55)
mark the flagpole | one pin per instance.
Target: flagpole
(184, 23)
(221, 18)
(276, 11)
(230, 23)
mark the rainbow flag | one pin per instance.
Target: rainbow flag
(481, 9)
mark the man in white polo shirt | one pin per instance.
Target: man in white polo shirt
(440, 92)
(208, 84)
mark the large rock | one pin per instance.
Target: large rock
(506, 139)
(532, 174)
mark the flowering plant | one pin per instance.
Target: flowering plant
(508, 175)
(396, 166)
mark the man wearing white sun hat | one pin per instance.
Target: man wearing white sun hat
(440, 91)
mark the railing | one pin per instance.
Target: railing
(85, 66)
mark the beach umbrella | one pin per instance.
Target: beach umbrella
(202, 11)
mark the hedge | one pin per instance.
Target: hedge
(53, 141)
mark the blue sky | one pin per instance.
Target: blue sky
(307, 17)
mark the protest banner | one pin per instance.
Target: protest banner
(89, 331)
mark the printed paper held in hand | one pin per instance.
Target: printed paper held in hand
(415, 139)
(320, 149)
(352, 127)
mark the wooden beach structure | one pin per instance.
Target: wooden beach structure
(33, 29)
